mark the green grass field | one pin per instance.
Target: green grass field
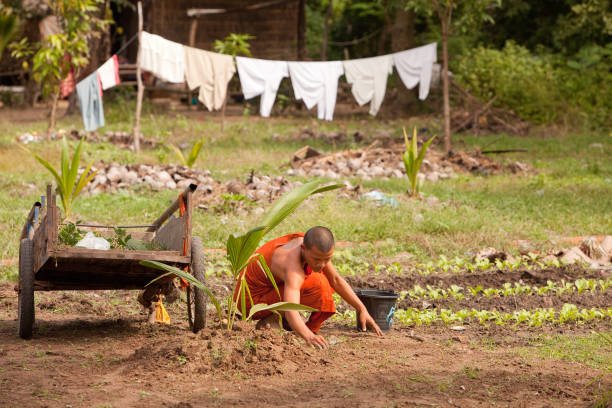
(570, 195)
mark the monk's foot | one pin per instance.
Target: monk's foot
(270, 322)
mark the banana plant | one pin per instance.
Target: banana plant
(413, 159)
(68, 186)
(240, 254)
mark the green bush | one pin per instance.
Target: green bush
(544, 88)
(585, 81)
(522, 82)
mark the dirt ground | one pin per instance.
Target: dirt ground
(94, 349)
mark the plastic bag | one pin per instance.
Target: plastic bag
(92, 242)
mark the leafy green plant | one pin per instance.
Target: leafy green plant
(413, 159)
(193, 154)
(79, 22)
(69, 234)
(234, 44)
(8, 26)
(68, 186)
(120, 239)
(240, 254)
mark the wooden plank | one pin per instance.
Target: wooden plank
(113, 254)
(48, 286)
(39, 244)
(172, 209)
(29, 219)
(172, 234)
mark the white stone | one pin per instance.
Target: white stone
(163, 177)
(354, 164)
(113, 174)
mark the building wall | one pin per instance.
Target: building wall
(274, 27)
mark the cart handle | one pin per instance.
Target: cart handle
(24, 230)
(175, 206)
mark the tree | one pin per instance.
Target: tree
(454, 16)
(53, 57)
(8, 26)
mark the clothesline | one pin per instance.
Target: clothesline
(316, 83)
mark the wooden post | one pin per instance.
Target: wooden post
(192, 36)
(140, 84)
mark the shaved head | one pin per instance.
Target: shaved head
(320, 238)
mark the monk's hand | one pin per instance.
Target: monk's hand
(366, 320)
(316, 341)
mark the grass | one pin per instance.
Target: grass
(571, 195)
(591, 349)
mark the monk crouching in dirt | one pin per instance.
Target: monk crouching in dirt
(301, 265)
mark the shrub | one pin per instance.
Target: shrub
(522, 82)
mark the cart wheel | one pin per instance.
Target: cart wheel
(26, 289)
(195, 296)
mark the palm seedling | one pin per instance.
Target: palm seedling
(240, 254)
(68, 185)
(413, 159)
(193, 154)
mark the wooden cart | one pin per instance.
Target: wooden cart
(44, 265)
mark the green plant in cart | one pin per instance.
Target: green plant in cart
(69, 184)
(413, 159)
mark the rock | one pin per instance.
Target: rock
(184, 183)
(261, 195)
(432, 201)
(331, 174)
(235, 187)
(376, 171)
(317, 173)
(130, 177)
(593, 250)
(163, 177)
(574, 254)
(606, 246)
(433, 176)
(114, 174)
(354, 164)
(458, 328)
(170, 184)
(396, 173)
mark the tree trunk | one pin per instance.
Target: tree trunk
(53, 114)
(382, 41)
(445, 87)
(72, 103)
(326, 31)
(301, 31)
(402, 30)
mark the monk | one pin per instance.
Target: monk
(301, 265)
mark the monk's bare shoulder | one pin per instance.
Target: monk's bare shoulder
(286, 258)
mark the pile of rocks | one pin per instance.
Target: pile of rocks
(114, 176)
(210, 194)
(371, 163)
(368, 164)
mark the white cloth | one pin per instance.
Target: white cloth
(261, 77)
(109, 73)
(163, 58)
(368, 77)
(317, 84)
(415, 65)
(211, 72)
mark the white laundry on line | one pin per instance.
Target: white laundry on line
(317, 84)
(109, 73)
(163, 58)
(368, 77)
(211, 72)
(261, 77)
(415, 66)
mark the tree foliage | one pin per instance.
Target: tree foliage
(51, 59)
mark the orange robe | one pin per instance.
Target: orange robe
(315, 292)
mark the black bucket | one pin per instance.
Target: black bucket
(380, 305)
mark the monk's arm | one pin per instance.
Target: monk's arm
(293, 283)
(345, 291)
